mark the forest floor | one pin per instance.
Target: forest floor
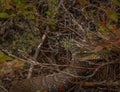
(51, 39)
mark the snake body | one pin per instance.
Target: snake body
(58, 82)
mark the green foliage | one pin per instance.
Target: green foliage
(116, 2)
(4, 15)
(53, 1)
(22, 15)
(24, 43)
(4, 58)
(93, 11)
(45, 5)
(38, 91)
(102, 28)
(16, 9)
(112, 15)
(51, 13)
(48, 13)
(17, 1)
(106, 19)
(67, 43)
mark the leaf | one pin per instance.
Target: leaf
(53, 1)
(116, 2)
(48, 13)
(18, 1)
(45, 5)
(93, 11)
(37, 90)
(4, 58)
(4, 15)
(112, 15)
(98, 48)
(102, 28)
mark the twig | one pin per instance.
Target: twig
(4, 89)
(94, 72)
(37, 53)
(39, 46)
(13, 56)
(30, 71)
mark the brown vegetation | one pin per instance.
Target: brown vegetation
(59, 45)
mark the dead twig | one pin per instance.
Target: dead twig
(39, 46)
(3, 88)
(94, 72)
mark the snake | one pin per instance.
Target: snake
(57, 82)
